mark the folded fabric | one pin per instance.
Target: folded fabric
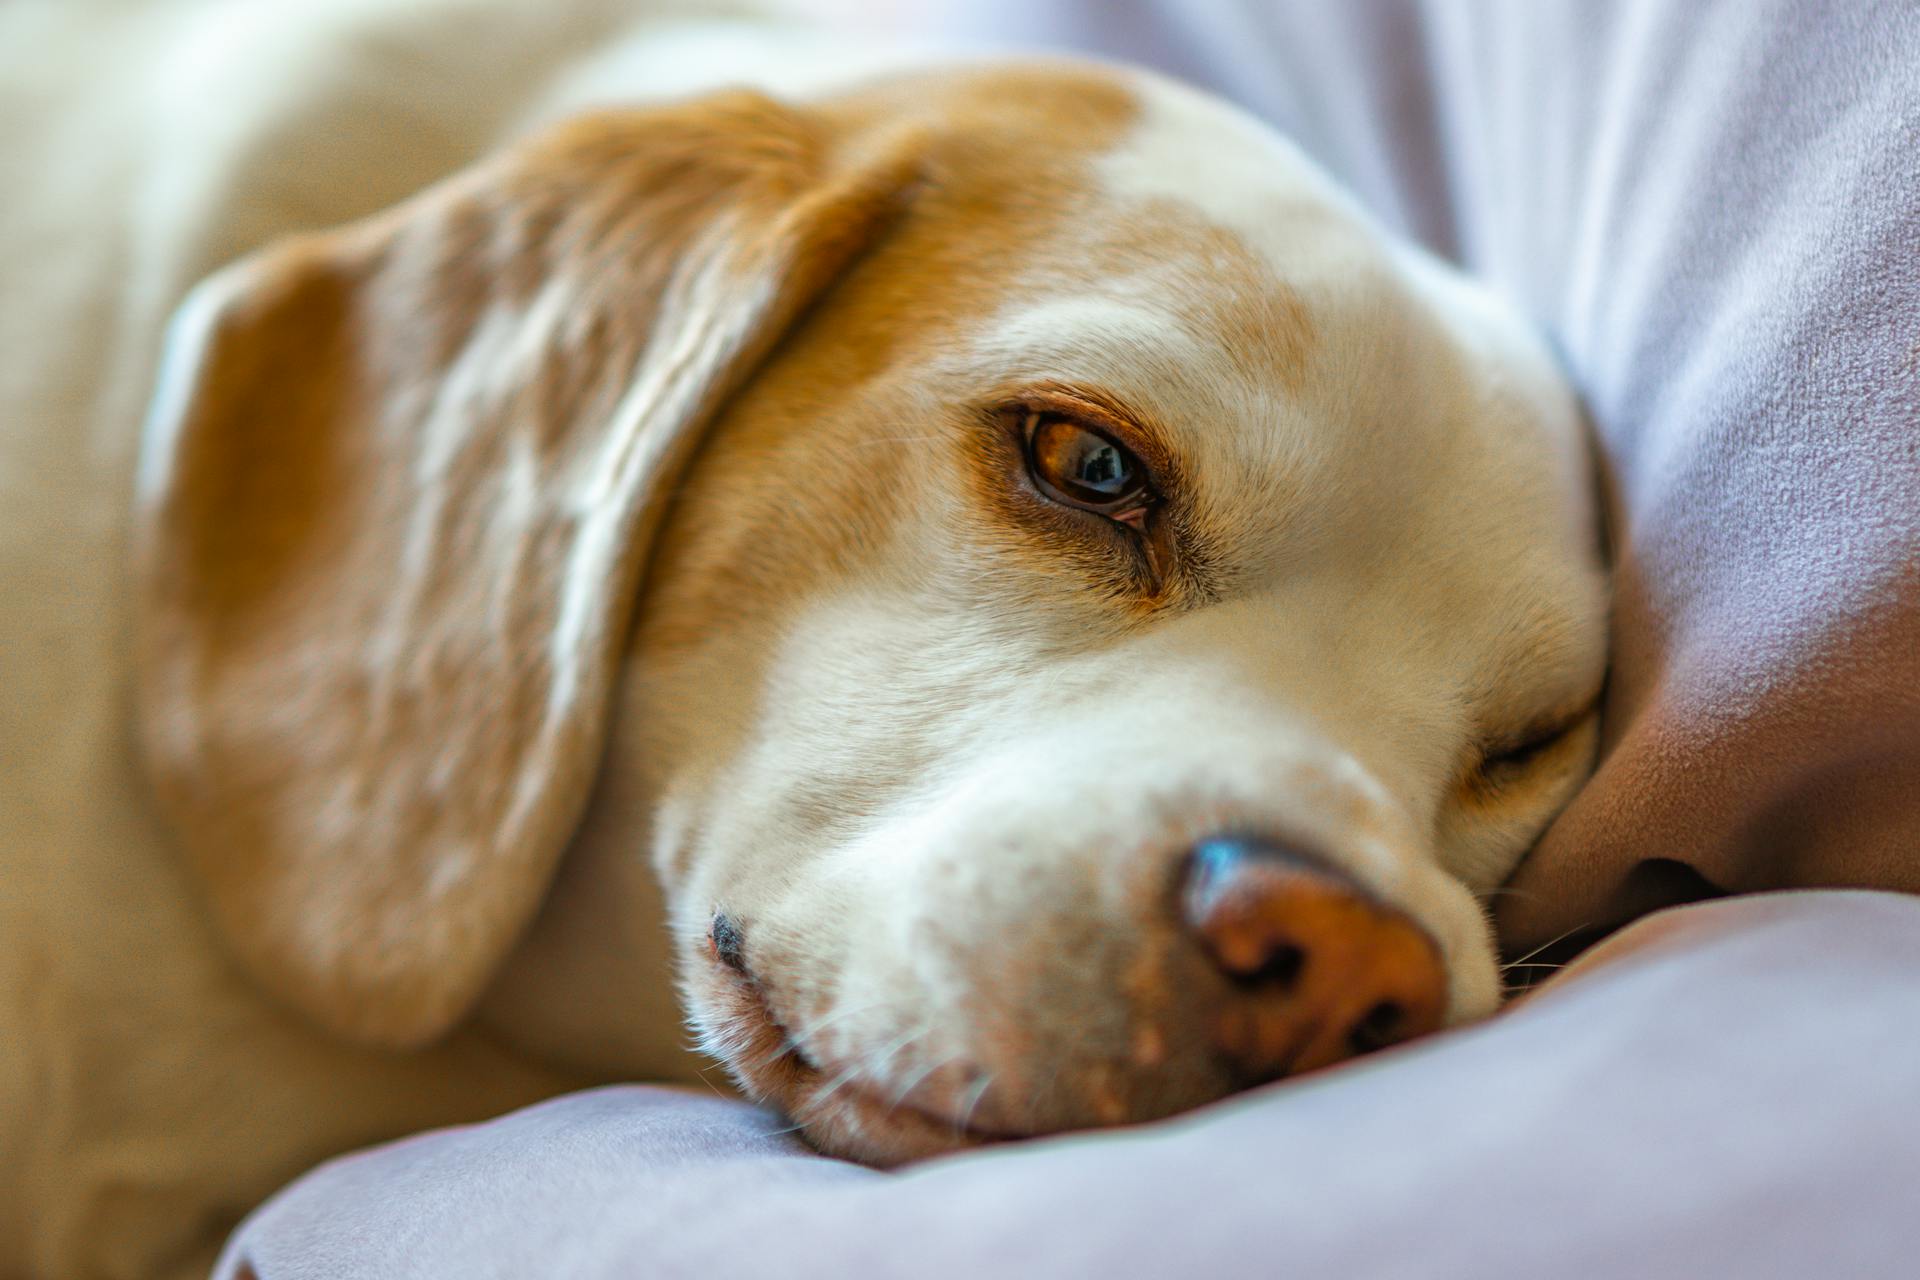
(1724, 1090)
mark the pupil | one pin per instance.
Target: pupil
(1101, 468)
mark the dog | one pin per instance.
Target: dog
(993, 588)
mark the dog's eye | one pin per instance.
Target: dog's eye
(1085, 468)
(1513, 758)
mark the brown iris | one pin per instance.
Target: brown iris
(1085, 468)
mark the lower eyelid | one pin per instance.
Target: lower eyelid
(1529, 751)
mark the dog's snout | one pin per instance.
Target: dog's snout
(1318, 969)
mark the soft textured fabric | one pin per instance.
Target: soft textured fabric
(1726, 1091)
(1714, 209)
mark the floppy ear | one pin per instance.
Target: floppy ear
(396, 495)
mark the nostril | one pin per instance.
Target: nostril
(1278, 971)
(728, 942)
(1378, 1027)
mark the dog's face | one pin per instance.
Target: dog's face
(1125, 497)
(1063, 540)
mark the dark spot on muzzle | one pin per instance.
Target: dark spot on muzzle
(728, 942)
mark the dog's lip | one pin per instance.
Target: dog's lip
(941, 1126)
(806, 1077)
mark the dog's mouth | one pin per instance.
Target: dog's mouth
(843, 1109)
(1276, 965)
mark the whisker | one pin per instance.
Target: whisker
(824, 1094)
(974, 1096)
(1551, 942)
(803, 1040)
(917, 1078)
(897, 1044)
(702, 1073)
(870, 1065)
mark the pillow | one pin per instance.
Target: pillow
(1722, 1090)
(1714, 209)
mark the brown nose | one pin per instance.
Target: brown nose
(1319, 970)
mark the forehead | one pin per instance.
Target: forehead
(1109, 228)
(1198, 153)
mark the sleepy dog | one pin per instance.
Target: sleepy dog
(997, 582)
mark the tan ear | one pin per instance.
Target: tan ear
(397, 491)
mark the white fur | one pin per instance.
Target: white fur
(1161, 162)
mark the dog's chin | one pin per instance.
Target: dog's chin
(868, 1126)
(840, 1112)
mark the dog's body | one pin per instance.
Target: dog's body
(153, 1087)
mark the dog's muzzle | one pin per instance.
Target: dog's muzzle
(1277, 963)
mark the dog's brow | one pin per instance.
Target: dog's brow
(1071, 331)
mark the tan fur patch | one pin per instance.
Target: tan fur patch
(394, 527)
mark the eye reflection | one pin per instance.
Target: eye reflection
(1082, 467)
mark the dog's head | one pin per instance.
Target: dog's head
(1106, 616)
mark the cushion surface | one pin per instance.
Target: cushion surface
(1726, 1090)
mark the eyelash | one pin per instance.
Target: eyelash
(1519, 757)
(1500, 767)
